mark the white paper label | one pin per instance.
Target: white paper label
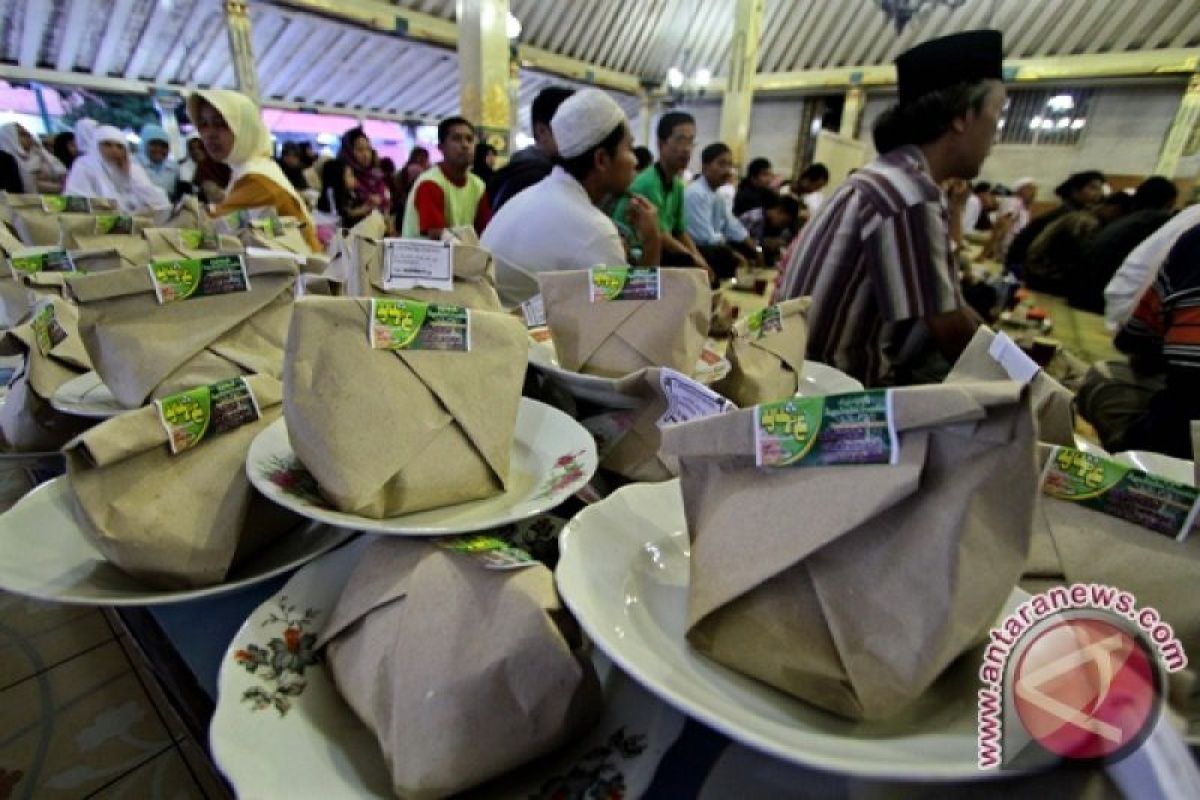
(687, 399)
(534, 311)
(1020, 367)
(413, 263)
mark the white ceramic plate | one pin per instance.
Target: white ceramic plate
(87, 396)
(287, 732)
(1175, 469)
(553, 456)
(44, 554)
(819, 379)
(596, 389)
(624, 573)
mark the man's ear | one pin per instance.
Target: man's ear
(959, 124)
(601, 159)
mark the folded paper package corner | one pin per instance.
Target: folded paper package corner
(461, 672)
(448, 442)
(54, 354)
(213, 336)
(857, 585)
(35, 217)
(1052, 402)
(635, 436)
(165, 243)
(613, 338)
(766, 354)
(74, 228)
(174, 520)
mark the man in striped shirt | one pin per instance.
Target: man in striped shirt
(887, 305)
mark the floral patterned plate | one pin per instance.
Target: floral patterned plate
(553, 456)
(280, 728)
(44, 554)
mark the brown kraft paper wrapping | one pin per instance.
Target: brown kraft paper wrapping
(461, 672)
(617, 337)
(768, 368)
(72, 226)
(1052, 402)
(211, 338)
(386, 432)
(636, 454)
(853, 587)
(290, 240)
(166, 243)
(27, 420)
(37, 227)
(174, 520)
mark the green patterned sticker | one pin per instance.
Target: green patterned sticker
(59, 203)
(196, 239)
(197, 414)
(114, 223)
(263, 220)
(764, 323)
(1155, 503)
(854, 428)
(397, 324)
(47, 331)
(184, 278)
(621, 283)
(491, 551)
(51, 261)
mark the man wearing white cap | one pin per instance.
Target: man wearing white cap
(556, 224)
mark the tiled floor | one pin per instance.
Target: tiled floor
(81, 716)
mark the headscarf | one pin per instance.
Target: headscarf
(33, 163)
(252, 149)
(62, 144)
(85, 135)
(165, 173)
(368, 180)
(131, 188)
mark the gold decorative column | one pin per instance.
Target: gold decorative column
(852, 110)
(739, 86)
(237, 23)
(483, 69)
(1183, 134)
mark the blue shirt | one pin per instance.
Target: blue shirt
(709, 218)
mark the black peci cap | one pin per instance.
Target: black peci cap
(958, 58)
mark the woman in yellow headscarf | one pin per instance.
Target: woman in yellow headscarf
(233, 133)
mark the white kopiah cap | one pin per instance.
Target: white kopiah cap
(584, 120)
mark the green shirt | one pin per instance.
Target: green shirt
(669, 201)
(459, 204)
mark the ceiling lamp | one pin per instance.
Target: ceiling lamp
(901, 11)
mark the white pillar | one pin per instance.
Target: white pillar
(483, 69)
(237, 23)
(1182, 130)
(739, 87)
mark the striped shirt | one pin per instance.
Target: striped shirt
(876, 260)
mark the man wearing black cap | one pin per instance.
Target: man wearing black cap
(887, 305)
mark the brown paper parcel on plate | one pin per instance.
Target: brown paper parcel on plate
(289, 240)
(188, 213)
(617, 337)
(473, 267)
(142, 349)
(134, 251)
(764, 369)
(1052, 402)
(73, 226)
(461, 672)
(853, 587)
(165, 243)
(28, 423)
(636, 454)
(386, 432)
(16, 301)
(179, 520)
(37, 227)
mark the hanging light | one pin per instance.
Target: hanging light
(1078, 123)
(512, 26)
(901, 11)
(1061, 102)
(703, 77)
(1035, 123)
(675, 77)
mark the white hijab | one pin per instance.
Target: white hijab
(85, 135)
(253, 152)
(34, 163)
(131, 188)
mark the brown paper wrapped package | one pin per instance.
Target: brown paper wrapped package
(474, 273)
(461, 672)
(636, 454)
(133, 250)
(165, 243)
(290, 240)
(413, 429)
(73, 226)
(174, 520)
(854, 587)
(1052, 402)
(37, 227)
(27, 420)
(767, 369)
(210, 338)
(617, 337)
(16, 301)
(188, 213)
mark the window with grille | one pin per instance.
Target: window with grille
(1045, 116)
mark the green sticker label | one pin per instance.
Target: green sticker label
(398, 324)
(1153, 502)
(195, 415)
(196, 239)
(47, 331)
(620, 283)
(764, 323)
(262, 220)
(184, 278)
(114, 223)
(31, 263)
(60, 203)
(491, 551)
(855, 428)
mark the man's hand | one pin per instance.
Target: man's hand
(957, 191)
(643, 217)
